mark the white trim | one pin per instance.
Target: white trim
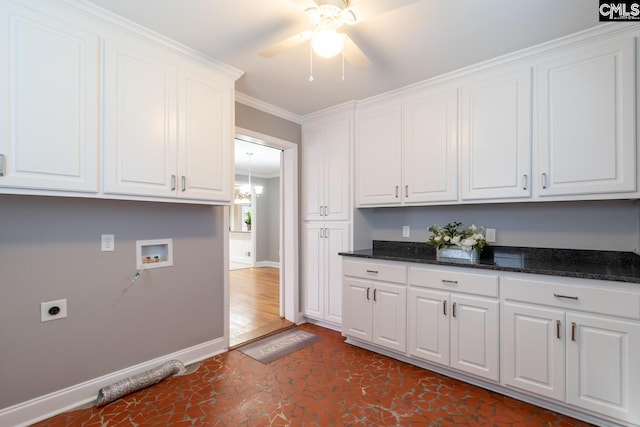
(43, 407)
(267, 108)
(272, 264)
(289, 262)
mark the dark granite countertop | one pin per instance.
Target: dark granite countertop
(584, 264)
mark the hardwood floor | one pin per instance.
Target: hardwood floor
(254, 304)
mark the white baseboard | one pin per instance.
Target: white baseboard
(43, 407)
(273, 264)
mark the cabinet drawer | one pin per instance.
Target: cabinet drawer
(592, 299)
(387, 272)
(455, 280)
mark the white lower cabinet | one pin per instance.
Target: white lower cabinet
(454, 329)
(322, 269)
(375, 302)
(568, 342)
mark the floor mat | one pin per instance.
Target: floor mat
(276, 346)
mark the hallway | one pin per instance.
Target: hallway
(254, 304)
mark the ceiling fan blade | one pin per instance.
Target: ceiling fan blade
(370, 8)
(286, 44)
(353, 54)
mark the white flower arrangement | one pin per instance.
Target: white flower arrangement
(451, 236)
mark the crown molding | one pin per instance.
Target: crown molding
(267, 108)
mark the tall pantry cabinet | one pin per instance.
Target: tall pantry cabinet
(327, 141)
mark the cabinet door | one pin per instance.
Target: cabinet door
(496, 137)
(313, 181)
(313, 270)
(587, 122)
(140, 122)
(428, 327)
(378, 156)
(204, 156)
(430, 148)
(475, 336)
(603, 373)
(357, 308)
(336, 239)
(389, 316)
(337, 155)
(533, 356)
(326, 171)
(50, 107)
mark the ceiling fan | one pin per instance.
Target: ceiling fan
(326, 18)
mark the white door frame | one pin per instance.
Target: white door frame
(289, 276)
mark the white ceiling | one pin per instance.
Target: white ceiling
(406, 45)
(264, 161)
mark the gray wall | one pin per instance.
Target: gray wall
(50, 249)
(603, 225)
(268, 124)
(267, 212)
(272, 208)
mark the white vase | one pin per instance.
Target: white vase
(458, 254)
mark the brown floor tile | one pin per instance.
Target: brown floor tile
(328, 383)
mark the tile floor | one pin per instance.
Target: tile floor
(328, 383)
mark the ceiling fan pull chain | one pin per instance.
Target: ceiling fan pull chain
(310, 62)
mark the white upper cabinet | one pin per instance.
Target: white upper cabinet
(49, 110)
(496, 135)
(140, 129)
(327, 169)
(379, 155)
(168, 128)
(206, 135)
(587, 120)
(430, 147)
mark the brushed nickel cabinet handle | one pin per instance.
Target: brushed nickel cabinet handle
(565, 296)
(326, 210)
(573, 331)
(453, 309)
(444, 307)
(372, 271)
(449, 282)
(524, 181)
(375, 294)
(544, 180)
(326, 233)
(396, 191)
(173, 182)
(406, 191)
(2, 166)
(368, 297)
(183, 183)
(558, 325)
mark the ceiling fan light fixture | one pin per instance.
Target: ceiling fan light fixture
(327, 43)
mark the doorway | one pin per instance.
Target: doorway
(262, 279)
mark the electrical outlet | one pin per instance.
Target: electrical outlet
(53, 310)
(406, 232)
(107, 243)
(490, 235)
